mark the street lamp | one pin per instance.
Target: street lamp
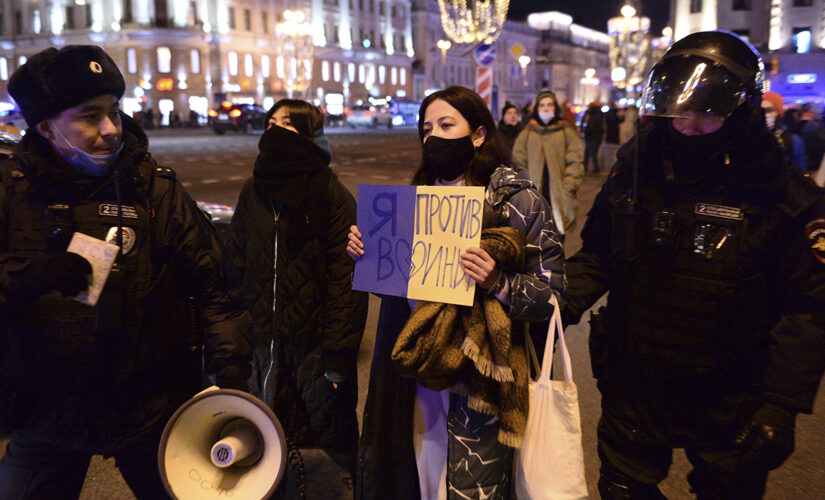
(295, 35)
(523, 61)
(629, 48)
(589, 81)
(444, 45)
(473, 21)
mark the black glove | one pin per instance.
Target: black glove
(64, 272)
(768, 437)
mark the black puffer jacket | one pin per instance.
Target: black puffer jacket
(89, 379)
(296, 208)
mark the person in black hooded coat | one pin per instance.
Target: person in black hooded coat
(288, 238)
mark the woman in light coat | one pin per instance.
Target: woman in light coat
(551, 152)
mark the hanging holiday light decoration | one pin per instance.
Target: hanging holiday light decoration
(473, 21)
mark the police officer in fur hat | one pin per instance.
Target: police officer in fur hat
(81, 379)
(712, 249)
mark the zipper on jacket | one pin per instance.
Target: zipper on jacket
(269, 368)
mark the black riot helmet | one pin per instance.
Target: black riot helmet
(705, 73)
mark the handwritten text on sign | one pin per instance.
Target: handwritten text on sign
(413, 237)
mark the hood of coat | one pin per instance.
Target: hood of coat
(287, 162)
(505, 182)
(554, 126)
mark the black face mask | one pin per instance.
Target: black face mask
(446, 159)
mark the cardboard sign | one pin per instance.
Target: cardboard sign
(413, 237)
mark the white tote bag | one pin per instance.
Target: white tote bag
(550, 463)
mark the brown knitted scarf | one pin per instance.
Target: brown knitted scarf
(468, 349)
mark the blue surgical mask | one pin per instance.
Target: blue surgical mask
(89, 164)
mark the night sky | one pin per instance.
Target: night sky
(593, 13)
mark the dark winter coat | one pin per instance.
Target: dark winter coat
(508, 134)
(100, 387)
(386, 459)
(313, 323)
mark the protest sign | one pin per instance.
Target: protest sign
(413, 237)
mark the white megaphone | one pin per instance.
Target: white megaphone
(221, 444)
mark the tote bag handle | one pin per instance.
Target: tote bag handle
(546, 366)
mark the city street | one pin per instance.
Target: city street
(213, 168)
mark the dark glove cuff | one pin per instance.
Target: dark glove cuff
(775, 416)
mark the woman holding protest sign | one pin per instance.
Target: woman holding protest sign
(287, 238)
(452, 422)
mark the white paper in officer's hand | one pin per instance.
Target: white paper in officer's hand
(101, 256)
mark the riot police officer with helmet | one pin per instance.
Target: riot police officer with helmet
(712, 249)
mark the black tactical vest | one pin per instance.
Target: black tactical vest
(689, 295)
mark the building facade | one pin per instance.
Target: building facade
(179, 55)
(572, 60)
(790, 34)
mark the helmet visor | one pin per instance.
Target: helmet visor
(691, 86)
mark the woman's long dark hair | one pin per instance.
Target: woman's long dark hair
(489, 156)
(305, 117)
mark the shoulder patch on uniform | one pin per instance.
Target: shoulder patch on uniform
(815, 231)
(165, 172)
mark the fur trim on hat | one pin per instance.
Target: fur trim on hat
(55, 80)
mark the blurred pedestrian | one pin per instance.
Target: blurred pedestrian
(812, 132)
(78, 379)
(421, 442)
(509, 127)
(551, 152)
(711, 249)
(593, 128)
(792, 145)
(288, 238)
(612, 121)
(568, 115)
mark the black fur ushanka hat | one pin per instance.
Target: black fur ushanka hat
(54, 80)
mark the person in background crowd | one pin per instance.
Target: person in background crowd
(612, 121)
(593, 127)
(712, 250)
(509, 126)
(420, 442)
(288, 238)
(551, 152)
(79, 380)
(793, 145)
(567, 114)
(812, 132)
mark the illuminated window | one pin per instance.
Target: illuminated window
(248, 65)
(403, 76)
(394, 75)
(4, 69)
(195, 60)
(382, 74)
(164, 59)
(131, 61)
(265, 66)
(361, 73)
(325, 71)
(279, 66)
(351, 72)
(232, 62)
(336, 71)
(802, 40)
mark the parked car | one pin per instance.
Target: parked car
(368, 115)
(238, 117)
